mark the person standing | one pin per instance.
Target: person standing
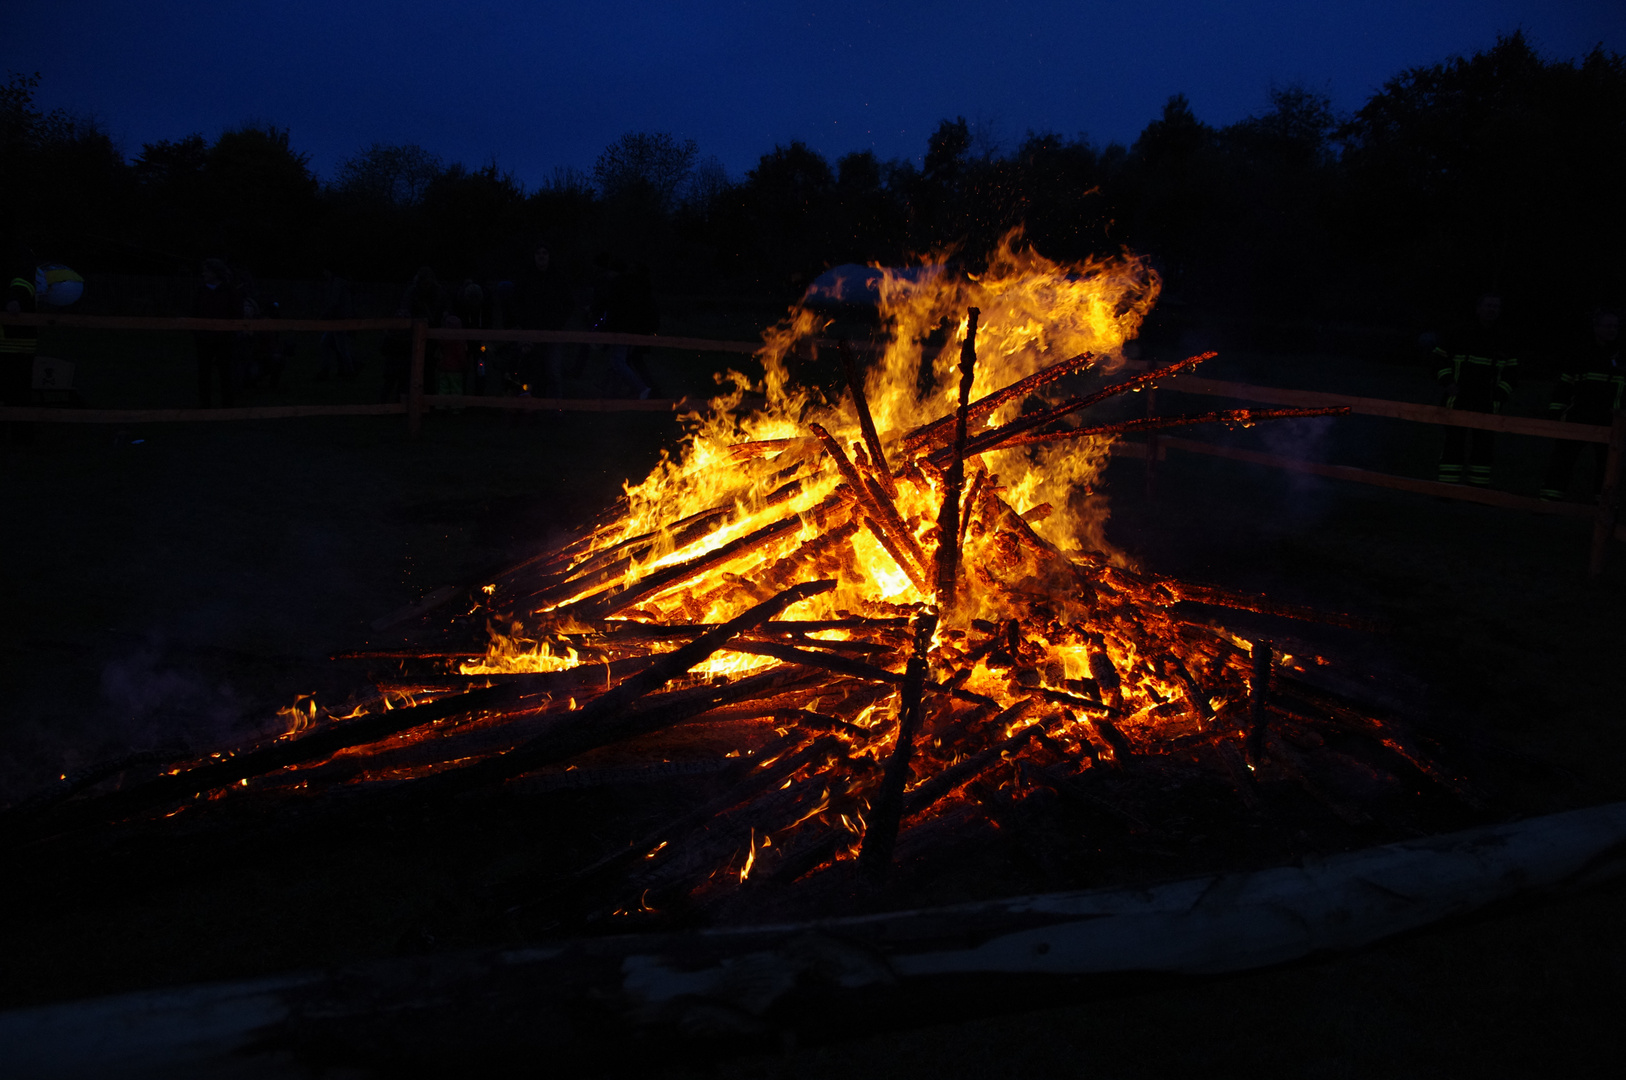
(216, 298)
(454, 359)
(395, 354)
(1477, 373)
(541, 302)
(624, 313)
(471, 313)
(1590, 389)
(334, 349)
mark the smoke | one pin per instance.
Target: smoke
(1304, 496)
(151, 704)
(146, 698)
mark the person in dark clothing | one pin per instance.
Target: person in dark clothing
(644, 317)
(395, 353)
(216, 298)
(541, 301)
(334, 349)
(626, 311)
(1476, 374)
(1590, 389)
(470, 310)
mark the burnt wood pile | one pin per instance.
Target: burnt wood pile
(871, 667)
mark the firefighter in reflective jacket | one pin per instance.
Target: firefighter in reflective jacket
(1589, 391)
(1477, 375)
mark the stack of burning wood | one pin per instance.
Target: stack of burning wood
(869, 640)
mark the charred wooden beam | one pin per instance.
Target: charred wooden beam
(773, 766)
(881, 832)
(970, 508)
(769, 447)
(990, 440)
(866, 422)
(942, 429)
(319, 743)
(1259, 698)
(599, 605)
(578, 730)
(504, 729)
(847, 666)
(948, 514)
(879, 514)
(1214, 596)
(1245, 417)
(933, 788)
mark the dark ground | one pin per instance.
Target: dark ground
(191, 584)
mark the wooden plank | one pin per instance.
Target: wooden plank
(584, 337)
(1465, 492)
(534, 404)
(43, 414)
(1397, 410)
(147, 322)
(39, 414)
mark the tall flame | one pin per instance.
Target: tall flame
(1035, 312)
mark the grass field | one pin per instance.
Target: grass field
(186, 580)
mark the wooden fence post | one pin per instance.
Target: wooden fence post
(1603, 526)
(414, 403)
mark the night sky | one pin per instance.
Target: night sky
(541, 85)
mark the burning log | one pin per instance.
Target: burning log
(600, 605)
(576, 729)
(879, 514)
(1245, 417)
(887, 811)
(1259, 698)
(994, 439)
(866, 422)
(944, 428)
(659, 628)
(948, 517)
(778, 764)
(233, 769)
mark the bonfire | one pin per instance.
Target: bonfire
(874, 621)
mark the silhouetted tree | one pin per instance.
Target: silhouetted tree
(1495, 169)
(395, 175)
(646, 165)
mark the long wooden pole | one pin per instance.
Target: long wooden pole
(1603, 526)
(948, 516)
(1395, 410)
(420, 339)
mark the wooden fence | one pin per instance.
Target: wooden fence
(1604, 514)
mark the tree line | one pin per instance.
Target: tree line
(1501, 170)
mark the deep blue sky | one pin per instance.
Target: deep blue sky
(541, 85)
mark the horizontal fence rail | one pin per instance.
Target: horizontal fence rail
(1395, 410)
(1604, 513)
